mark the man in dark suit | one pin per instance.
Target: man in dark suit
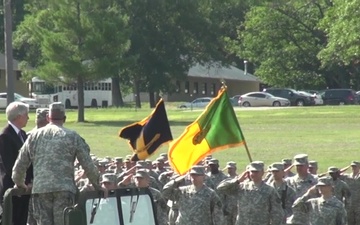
(12, 138)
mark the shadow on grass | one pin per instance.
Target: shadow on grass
(124, 123)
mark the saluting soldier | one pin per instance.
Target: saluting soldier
(259, 203)
(301, 183)
(353, 180)
(324, 210)
(198, 204)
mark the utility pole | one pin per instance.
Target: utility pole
(8, 51)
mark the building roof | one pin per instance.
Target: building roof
(219, 72)
(2, 63)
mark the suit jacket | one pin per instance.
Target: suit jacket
(10, 144)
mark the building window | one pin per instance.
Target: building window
(196, 88)
(178, 86)
(213, 88)
(18, 75)
(204, 89)
(187, 87)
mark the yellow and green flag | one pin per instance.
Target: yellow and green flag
(217, 128)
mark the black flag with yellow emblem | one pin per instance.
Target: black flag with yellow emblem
(146, 136)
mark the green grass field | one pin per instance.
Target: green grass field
(330, 135)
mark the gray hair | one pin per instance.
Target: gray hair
(15, 109)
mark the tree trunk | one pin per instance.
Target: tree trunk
(80, 91)
(152, 99)
(117, 100)
(137, 94)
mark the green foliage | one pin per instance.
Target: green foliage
(283, 41)
(342, 25)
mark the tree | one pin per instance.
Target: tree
(78, 40)
(342, 28)
(283, 41)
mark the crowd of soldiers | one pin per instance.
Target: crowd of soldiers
(206, 195)
(209, 195)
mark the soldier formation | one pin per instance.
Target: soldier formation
(206, 195)
(257, 196)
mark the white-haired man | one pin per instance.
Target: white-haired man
(12, 138)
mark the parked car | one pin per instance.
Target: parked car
(261, 99)
(340, 97)
(33, 104)
(234, 100)
(317, 97)
(294, 97)
(197, 103)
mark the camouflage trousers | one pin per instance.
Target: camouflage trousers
(173, 214)
(230, 219)
(353, 214)
(31, 220)
(49, 207)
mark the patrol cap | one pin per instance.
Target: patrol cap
(57, 111)
(141, 164)
(102, 162)
(164, 155)
(108, 158)
(197, 170)
(213, 161)
(255, 166)
(108, 177)
(355, 163)
(160, 160)
(333, 169)
(301, 159)
(325, 181)
(41, 113)
(277, 166)
(286, 161)
(118, 159)
(142, 173)
(208, 157)
(231, 164)
(313, 164)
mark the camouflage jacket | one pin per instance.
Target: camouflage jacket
(256, 205)
(321, 211)
(196, 207)
(52, 151)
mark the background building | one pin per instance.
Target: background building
(20, 86)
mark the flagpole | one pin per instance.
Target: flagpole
(247, 151)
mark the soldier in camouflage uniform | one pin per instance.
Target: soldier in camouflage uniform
(286, 193)
(313, 168)
(341, 189)
(52, 151)
(159, 164)
(142, 180)
(215, 174)
(230, 202)
(301, 183)
(259, 204)
(231, 169)
(40, 121)
(324, 210)
(198, 204)
(353, 181)
(287, 168)
(119, 166)
(108, 181)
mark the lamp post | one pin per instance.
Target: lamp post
(245, 67)
(8, 51)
